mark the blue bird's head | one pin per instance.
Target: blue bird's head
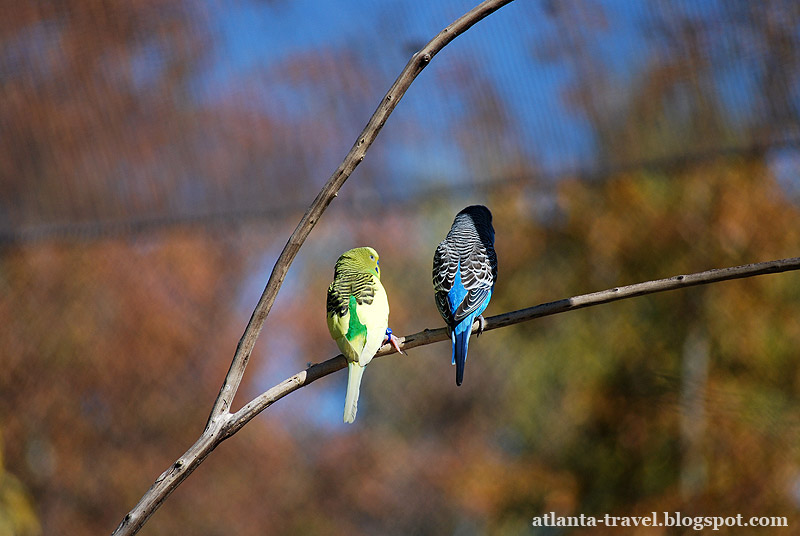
(481, 218)
(478, 213)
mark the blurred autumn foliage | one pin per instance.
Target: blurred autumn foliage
(148, 180)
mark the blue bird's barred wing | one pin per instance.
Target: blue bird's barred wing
(444, 307)
(445, 265)
(478, 274)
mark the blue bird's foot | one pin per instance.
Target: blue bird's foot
(394, 341)
(481, 325)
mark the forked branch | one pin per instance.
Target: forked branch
(220, 412)
(429, 336)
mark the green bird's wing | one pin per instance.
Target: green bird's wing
(350, 294)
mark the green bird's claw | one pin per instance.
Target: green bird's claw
(394, 341)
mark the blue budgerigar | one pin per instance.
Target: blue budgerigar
(464, 274)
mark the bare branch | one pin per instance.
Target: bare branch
(416, 64)
(220, 412)
(429, 336)
(178, 471)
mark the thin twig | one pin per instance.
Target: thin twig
(219, 417)
(429, 336)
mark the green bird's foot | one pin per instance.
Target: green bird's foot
(394, 341)
(481, 325)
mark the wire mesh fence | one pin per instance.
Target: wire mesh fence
(155, 157)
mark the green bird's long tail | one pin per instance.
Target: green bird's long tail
(354, 373)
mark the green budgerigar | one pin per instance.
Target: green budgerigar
(358, 316)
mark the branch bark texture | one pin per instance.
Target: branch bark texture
(218, 427)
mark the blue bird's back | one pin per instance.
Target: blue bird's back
(464, 274)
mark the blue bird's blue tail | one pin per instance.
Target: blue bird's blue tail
(460, 339)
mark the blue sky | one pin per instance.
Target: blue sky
(517, 48)
(257, 36)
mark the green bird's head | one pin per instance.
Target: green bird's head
(364, 260)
